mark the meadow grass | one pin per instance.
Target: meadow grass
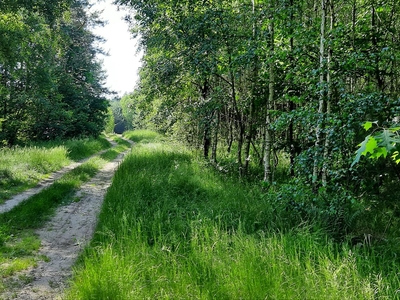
(172, 228)
(18, 243)
(23, 167)
(77, 148)
(143, 136)
(81, 148)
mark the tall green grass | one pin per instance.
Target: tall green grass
(23, 167)
(79, 148)
(171, 228)
(143, 136)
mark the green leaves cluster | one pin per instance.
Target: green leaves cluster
(380, 143)
(50, 81)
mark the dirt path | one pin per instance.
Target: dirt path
(17, 199)
(64, 237)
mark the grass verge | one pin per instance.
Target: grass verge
(18, 243)
(23, 167)
(171, 228)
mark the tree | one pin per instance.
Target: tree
(50, 81)
(253, 78)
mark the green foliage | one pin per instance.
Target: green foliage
(380, 143)
(210, 68)
(133, 108)
(50, 81)
(110, 122)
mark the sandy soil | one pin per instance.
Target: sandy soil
(63, 238)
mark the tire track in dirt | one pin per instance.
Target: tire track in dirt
(64, 237)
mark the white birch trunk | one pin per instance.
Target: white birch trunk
(328, 103)
(271, 87)
(321, 104)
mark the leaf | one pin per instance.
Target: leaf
(370, 146)
(394, 129)
(394, 157)
(360, 150)
(387, 139)
(367, 125)
(380, 151)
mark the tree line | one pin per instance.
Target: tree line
(261, 77)
(51, 85)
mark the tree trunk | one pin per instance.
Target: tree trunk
(321, 104)
(250, 132)
(206, 139)
(328, 102)
(290, 139)
(215, 137)
(238, 119)
(231, 130)
(271, 87)
(374, 30)
(205, 92)
(353, 29)
(240, 146)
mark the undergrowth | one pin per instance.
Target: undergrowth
(173, 228)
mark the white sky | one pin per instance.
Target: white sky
(123, 61)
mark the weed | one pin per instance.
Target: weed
(25, 279)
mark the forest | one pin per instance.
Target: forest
(299, 93)
(266, 141)
(257, 85)
(51, 85)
